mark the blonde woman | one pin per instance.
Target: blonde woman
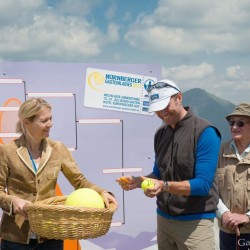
(29, 168)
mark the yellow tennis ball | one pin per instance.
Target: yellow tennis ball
(85, 197)
(147, 183)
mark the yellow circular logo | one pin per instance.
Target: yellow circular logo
(96, 81)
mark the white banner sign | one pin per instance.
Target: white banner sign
(117, 91)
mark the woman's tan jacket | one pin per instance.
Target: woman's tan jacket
(18, 178)
(233, 180)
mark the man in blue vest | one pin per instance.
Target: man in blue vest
(186, 154)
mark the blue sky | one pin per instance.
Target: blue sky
(199, 43)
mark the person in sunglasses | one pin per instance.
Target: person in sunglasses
(233, 179)
(186, 155)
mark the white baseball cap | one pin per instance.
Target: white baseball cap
(160, 94)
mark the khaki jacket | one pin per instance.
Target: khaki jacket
(18, 178)
(233, 180)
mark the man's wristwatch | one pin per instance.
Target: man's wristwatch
(165, 187)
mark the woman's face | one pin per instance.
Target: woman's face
(39, 128)
(240, 128)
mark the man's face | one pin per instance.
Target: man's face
(171, 114)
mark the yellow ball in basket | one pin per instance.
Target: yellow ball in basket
(147, 183)
(85, 197)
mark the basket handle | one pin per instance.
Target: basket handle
(112, 206)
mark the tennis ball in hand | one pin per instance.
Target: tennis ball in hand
(85, 197)
(147, 183)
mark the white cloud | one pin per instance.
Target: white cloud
(233, 72)
(111, 11)
(18, 12)
(47, 34)
(113, 32)
(233, 85)
(52, 35)
(162, 39)
(236, 90)
(187, 72)
(182, 27)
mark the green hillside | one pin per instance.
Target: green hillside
(211, 108)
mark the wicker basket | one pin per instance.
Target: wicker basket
(51, 219)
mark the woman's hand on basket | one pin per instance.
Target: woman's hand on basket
(18, 205)
(108, 198)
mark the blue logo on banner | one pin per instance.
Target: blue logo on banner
(148, 83)
(154, 96)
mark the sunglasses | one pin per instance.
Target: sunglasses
(160, 85)
(240, 124)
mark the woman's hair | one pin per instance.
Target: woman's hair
(29, 110)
